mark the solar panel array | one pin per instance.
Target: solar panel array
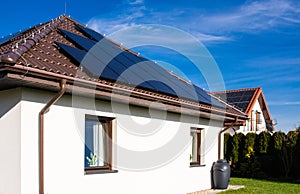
(239, 99)
(104, 59)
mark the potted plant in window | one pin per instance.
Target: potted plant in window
(92, 160)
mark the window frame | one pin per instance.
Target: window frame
(108, 130)
(198, 132)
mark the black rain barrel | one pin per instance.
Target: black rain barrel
(221, 174)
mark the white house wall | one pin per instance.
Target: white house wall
(261, 127)
(10, 142)
(137, 173)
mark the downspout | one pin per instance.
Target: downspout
(220, 137)
(41, 133)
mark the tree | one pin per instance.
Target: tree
(288, 151)
(278, 138)
(228, 147)
(249, 145)
(235, 148)
(263, 142)
(295, 169)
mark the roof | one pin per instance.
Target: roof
(240, 98)
(245, 99)
(61, 49)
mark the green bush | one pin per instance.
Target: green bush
(227, 147)
(248, 151)
(278, 138)
(264, 155)
(263, 142)
(235, 149)
(295, 169)
(251, 168)
(288, 153)
(241, 138)
(292, 138)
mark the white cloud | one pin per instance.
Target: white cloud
(117, 20)
(282, 103)
(138, 16)
(209, 38)
(254, 17)
(135, 2)
(107, 26)
(134, 12)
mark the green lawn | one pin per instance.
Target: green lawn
(262, 186)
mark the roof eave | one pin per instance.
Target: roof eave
(85, 87)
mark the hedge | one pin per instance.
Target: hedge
(264, 155)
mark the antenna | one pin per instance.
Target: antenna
(65, 7)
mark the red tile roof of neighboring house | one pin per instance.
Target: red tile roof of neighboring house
(245, 99)
(32, 59)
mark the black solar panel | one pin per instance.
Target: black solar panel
(240, 99)
(96, 36)
(249, 93)
(74, 53)
(242, 106)
(203, 96)
(235, 99)
(89, 64)
(97, 70)
(107, 60)
(80, 41)
(245, 98)
(233, 94)
(181, 88)
(162, 86)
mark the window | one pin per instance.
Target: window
(256, 119)
(195, 156)
(259, 117)
(98, 144)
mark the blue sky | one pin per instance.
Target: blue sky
(255, 43)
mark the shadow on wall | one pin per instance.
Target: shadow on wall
(9, 99)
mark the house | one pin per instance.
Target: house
(252, 102)
(82, 114)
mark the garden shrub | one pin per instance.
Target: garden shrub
(295, 169)
(264, 155)
(227, 147)
(249, 145)
(235, 148)
(278, 138)
(263, 142)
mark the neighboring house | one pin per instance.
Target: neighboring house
(65, 129)
(252, 102)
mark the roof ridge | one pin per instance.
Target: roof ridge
(24, 44)
(236, 90)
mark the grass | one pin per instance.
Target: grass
(263, 186)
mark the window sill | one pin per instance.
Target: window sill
(197, 165)
(98, 170)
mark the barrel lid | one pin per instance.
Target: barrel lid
(221, 161)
